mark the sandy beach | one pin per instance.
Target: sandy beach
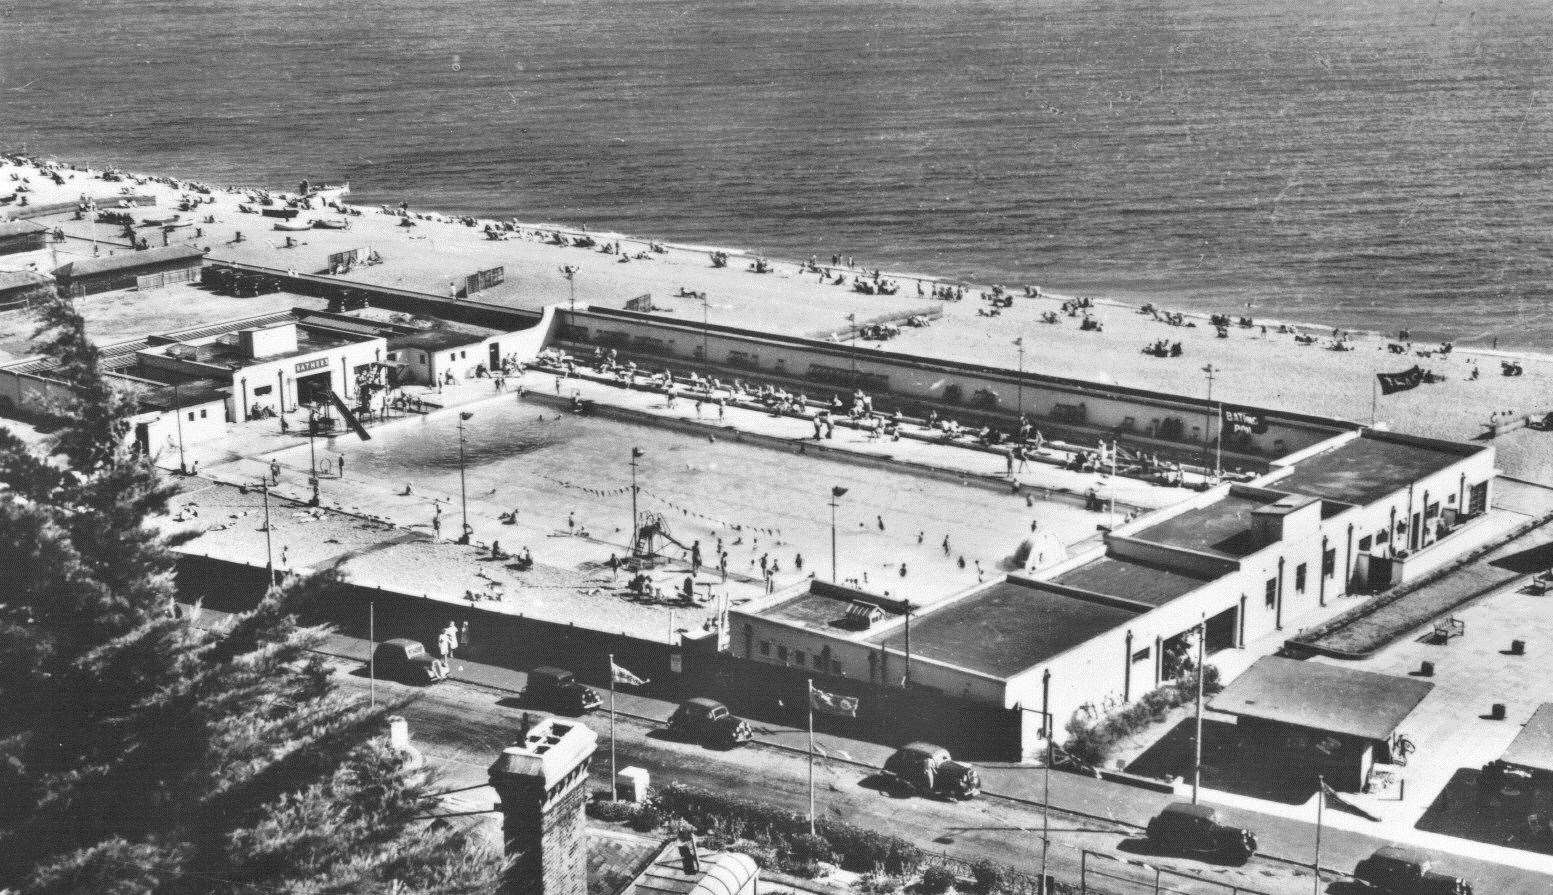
(1252, 366)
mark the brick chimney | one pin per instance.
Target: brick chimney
(542, 784)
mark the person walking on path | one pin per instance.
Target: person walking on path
(695, 557)
(274, 472)
(342, 466)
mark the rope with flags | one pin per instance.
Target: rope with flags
(695, 514)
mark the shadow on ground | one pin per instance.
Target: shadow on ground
(1524, 562)
(1228, 764)
(1509, 818)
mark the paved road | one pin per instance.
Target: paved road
(471, 718)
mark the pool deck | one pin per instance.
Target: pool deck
(1005, 629)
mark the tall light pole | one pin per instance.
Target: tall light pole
(463, 486)
(269, 545)
(636, 455)
(183, 468)
(1202, 636)
(570, 272)
(1019, 343)
(1207, 413)
(836, 493)
(706, 310)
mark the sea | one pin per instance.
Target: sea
(1369, 164)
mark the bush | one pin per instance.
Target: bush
(647, 818)
(612, 811)
(938, 878)
(878, 883)
(990, 877)
(810, 848)
(1092, 744)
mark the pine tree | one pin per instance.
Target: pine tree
(141, 753)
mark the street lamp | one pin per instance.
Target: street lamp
(463, 488)
(1211, 371)
(636, 455)
(570, 272)
(269, 547)
(183, 468)
(1019, 343)
(836, 493)
(1202, 637)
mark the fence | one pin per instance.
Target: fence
(1103, 874)
(156, 280)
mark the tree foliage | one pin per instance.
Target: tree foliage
(140, 752)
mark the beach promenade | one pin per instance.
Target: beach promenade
(1251, 366)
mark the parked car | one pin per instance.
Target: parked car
(1183, 826)
(405, 660)
(708, 722)
(928, 769)
(558, 690)
(1402, 871)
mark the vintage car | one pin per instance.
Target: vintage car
(708, 722)
(1402, 871)
(557, 690)
(1185, 827)
(405, 660)
(928, 769)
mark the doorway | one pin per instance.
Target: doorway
(495, 364)
(314, 388)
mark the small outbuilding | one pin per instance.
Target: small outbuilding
(1316, 718)
(22, 236)
(130, 270)
(20, 288)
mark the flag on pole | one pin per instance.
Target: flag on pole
(1391, 383)
(621, 675)
(832, 703)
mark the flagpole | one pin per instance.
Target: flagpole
(612, 778)
(1321, 801)
(809, 702)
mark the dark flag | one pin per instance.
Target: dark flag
(1400, 382)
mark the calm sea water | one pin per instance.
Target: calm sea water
(1370, 163)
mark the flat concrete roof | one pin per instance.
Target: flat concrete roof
(1005, 628)
(1323, 697)
(1365, 469)
(1222, 527)
(1533, 746)
(1116, 576)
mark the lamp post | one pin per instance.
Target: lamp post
(1211, 371)
(463, 486)
(1202, 636)
(636, 455)
(570, 272)
(836, 493)
(1019, 344)
(183, 468)
(269, 547)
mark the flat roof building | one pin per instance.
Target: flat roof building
(22, 236)
(1321, 718)
(131, 270)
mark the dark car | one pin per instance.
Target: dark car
(1185, 827)
(708, 722)
(557, 690)
(1402, 871)
(928, 769)
(405, 660)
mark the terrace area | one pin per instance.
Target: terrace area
(1129, 579)
(1365, 469)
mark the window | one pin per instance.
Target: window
(423, 357)
(1141, 655)
(463, 354)
(1364, 544)
(1271, 595)
(1299, 578)
(765, 647)
(798, 658)
(204, 413)
(263, 390)
(1329, 562)
(191, 416)
(782, 652)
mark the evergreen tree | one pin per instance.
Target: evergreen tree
(141, 753)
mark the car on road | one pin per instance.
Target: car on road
(1185, 827)
(406, 661)
(558, 690)
(1402, 871)
(928, 769)
(708, 722)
